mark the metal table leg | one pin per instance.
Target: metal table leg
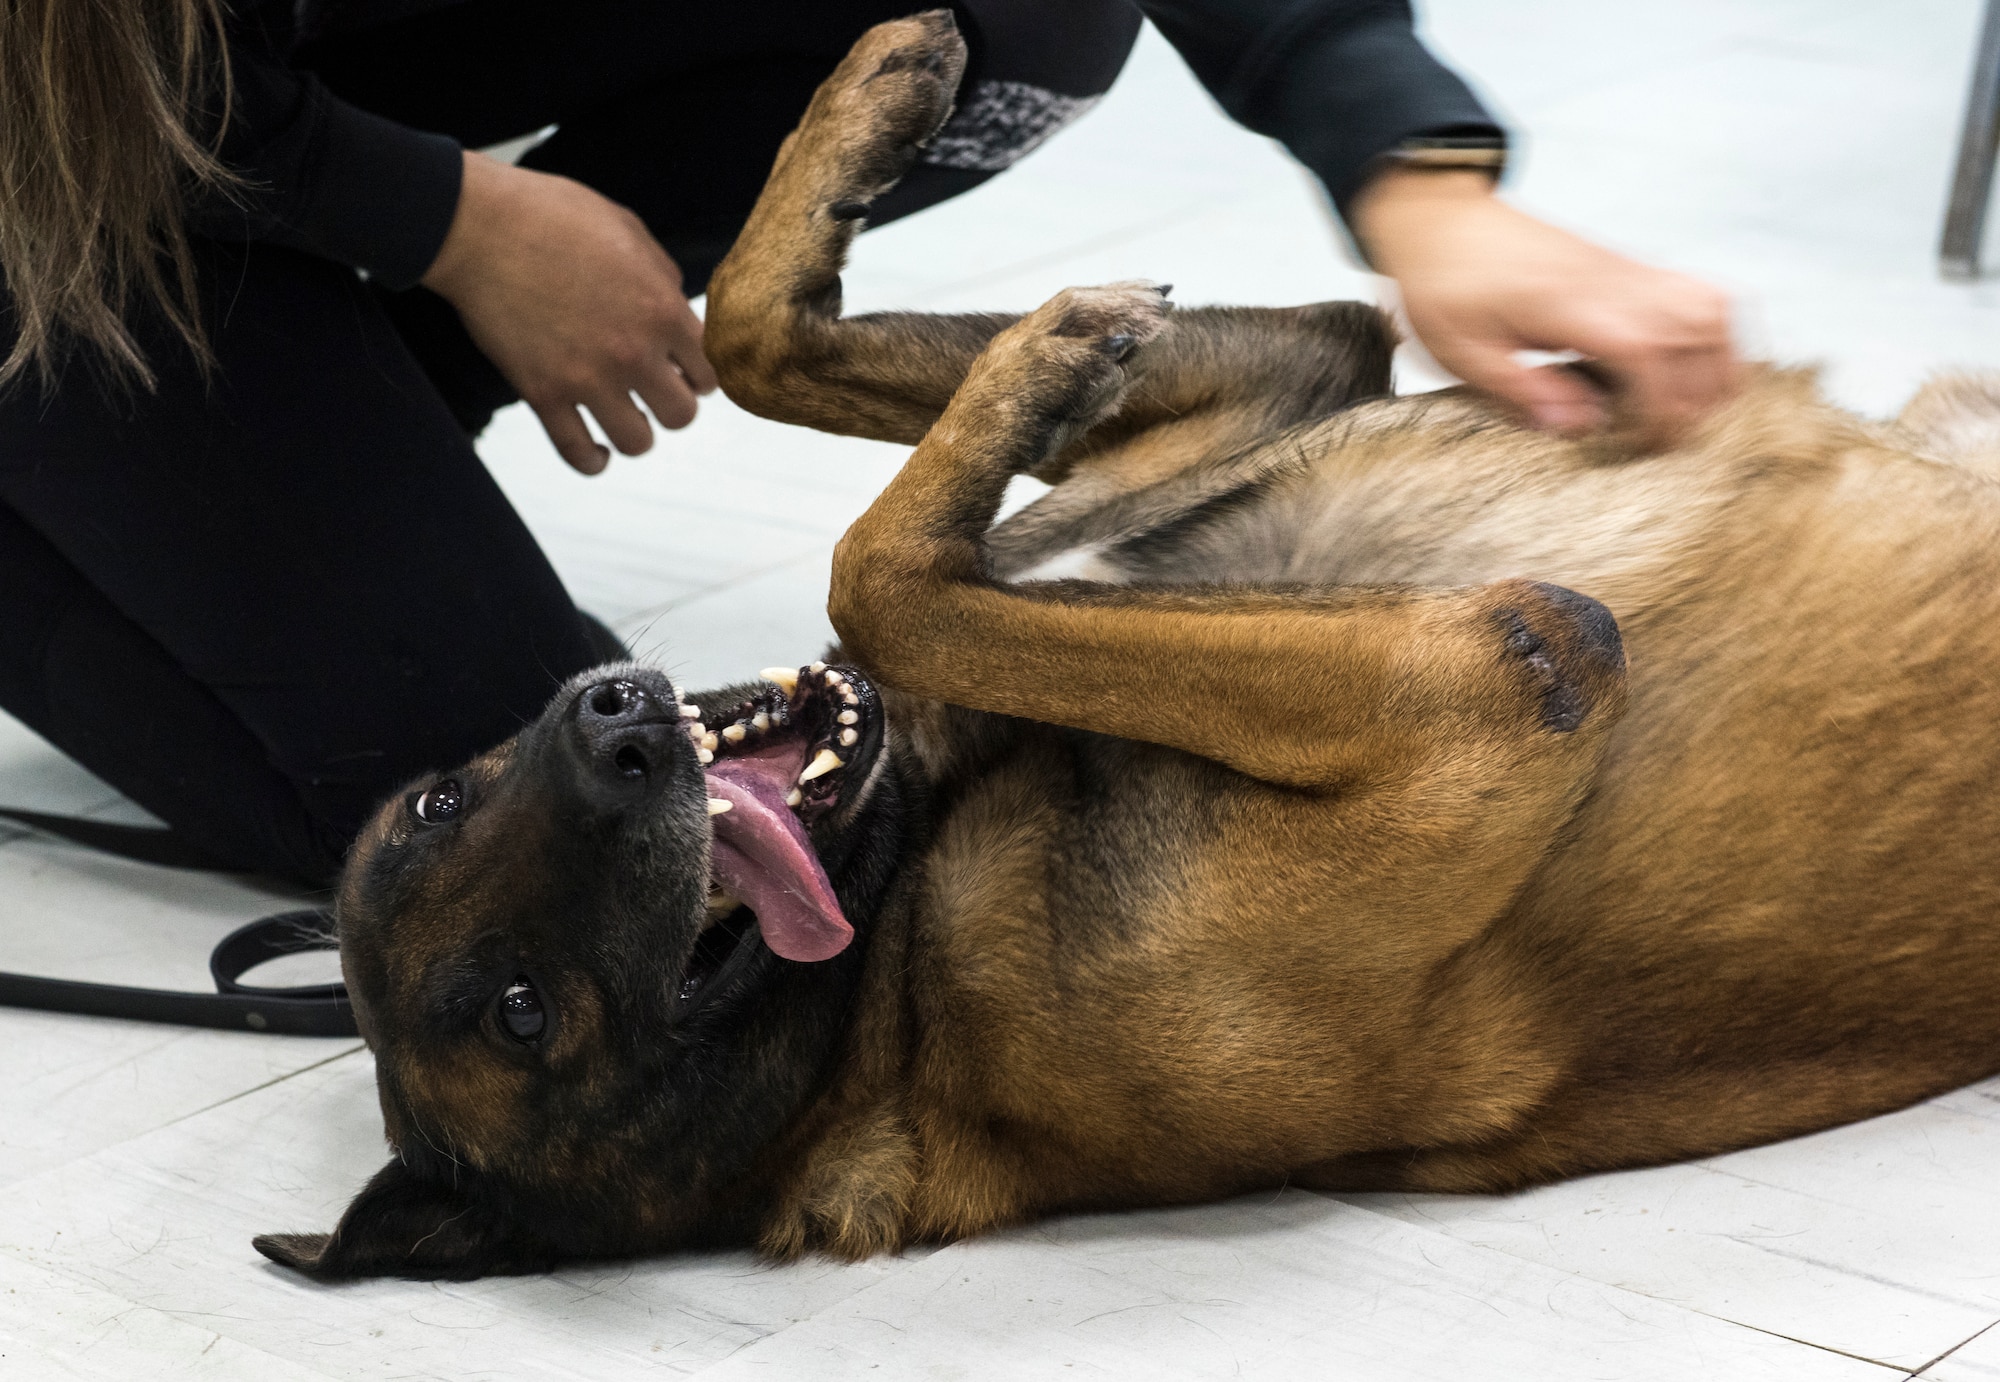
(1972, 183)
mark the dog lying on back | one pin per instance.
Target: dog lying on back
(1320, 837)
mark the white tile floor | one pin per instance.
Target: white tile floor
(1794, 150)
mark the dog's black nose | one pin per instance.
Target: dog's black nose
(627, 729)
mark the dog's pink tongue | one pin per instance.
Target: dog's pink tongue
(762, 855)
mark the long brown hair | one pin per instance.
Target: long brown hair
(99, 101)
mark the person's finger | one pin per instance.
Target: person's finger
(684, 333)
(1674, 358)
(1669, 392)
(623, 423)
(571, 438)
(666, 392)
(1552, 399)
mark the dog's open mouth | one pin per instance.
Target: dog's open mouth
(785, 763)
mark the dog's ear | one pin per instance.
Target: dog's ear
(406, 1224)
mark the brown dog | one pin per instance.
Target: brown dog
(1309, 841)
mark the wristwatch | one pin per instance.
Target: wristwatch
(1484, 152)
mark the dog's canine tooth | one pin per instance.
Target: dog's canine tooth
(817, 668)
(823, 763)
(794, 797)
(761, 721)
(786, 679)
(734, 733)
(690, 712)
(717, 805)
(849, 717)
(847, 737)
(834, 678)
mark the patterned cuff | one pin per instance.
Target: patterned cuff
(1001, 123)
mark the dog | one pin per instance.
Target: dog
(1317, 832)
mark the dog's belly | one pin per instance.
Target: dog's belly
(1780, 905)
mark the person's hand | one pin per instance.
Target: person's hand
(576, 304)
(1481, 282)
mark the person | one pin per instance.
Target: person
(260, 292)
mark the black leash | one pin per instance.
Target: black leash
(306, 1010)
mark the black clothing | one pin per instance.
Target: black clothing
(258, 603)
(257, 606)
(1338, 82)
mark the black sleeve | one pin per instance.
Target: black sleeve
(325, 177)
(1338, 82)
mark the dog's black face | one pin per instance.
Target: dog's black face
(604, 965)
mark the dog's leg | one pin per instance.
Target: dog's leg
(774, 329)
(1217, 379)
(1304, 688)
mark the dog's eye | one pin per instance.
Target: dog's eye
(521, 1011)
(440, 803)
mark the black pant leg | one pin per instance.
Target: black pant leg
(83, 676)
(308, 539)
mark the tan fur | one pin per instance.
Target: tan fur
(1277, 874)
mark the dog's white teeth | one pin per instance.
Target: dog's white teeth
(794, 797)
(834, 678)
(703, 757)
(721, 902)
(823, 763)
(709, 742)
(849, 696)
(817, 668)
(734, 734)
(717, 805)
(847, 737)
(690, 712)
(761, 721)
(697, 729)
(786, 679)
(849, 717)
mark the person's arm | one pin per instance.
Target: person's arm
(319, 175)
(1347, 87)
(569, 295)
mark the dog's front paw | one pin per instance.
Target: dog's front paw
(881, 106)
